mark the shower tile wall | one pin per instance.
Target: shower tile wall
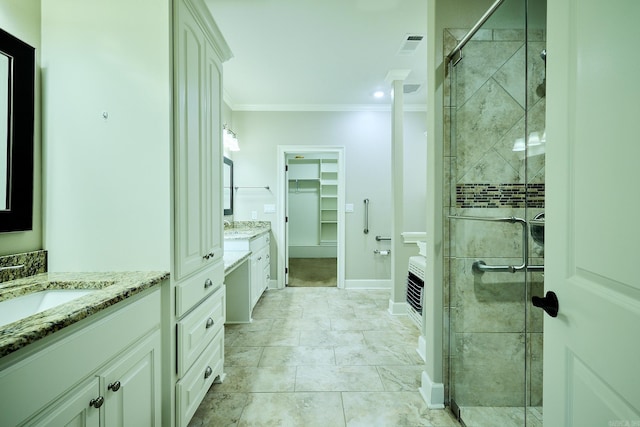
(487, 313)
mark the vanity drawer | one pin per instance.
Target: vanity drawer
(197, 329)
(190, 390)
(194, 289)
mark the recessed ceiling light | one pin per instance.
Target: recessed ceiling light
(378, 94)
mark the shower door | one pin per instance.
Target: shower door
(495, 138)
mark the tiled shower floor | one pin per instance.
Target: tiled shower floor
(500, 416)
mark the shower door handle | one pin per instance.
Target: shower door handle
(548, 303)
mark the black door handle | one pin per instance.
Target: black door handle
(549, 303)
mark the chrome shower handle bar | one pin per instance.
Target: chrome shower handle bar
(481, 266)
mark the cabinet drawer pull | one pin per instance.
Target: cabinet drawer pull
(209, 255)
(208, 372)
(97, 402)
(208, 283)
(209, 323)
(114, 386)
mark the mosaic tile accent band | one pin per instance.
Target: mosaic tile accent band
(499, 196)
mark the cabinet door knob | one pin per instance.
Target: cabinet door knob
(114, 386)
(259, 258)
(209, 323)
(97, 402)
(208, 372)
(208, 283)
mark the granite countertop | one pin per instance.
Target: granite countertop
(246, 229)
(233, 259)
(111, 288)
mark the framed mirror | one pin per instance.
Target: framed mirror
(17, 79)
(227, 186)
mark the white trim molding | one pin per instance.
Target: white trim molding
(397, 308)
(422, 348)
(432, 393)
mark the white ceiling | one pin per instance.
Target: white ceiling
(319, 54)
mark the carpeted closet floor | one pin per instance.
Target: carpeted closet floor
(313, 272)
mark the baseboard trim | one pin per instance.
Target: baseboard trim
(422, 348)
(397, 308)
(367, 284)
(432, 393)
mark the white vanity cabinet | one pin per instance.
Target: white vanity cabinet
(260, 261)
(124, 391)
(103, 370)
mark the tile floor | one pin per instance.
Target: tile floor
(321, 357)
(501, 416)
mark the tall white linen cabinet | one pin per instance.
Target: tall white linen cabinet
(198, 273)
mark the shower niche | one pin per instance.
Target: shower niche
(494, 193)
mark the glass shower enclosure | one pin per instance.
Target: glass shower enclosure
(494, 215)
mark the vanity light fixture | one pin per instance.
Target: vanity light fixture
(230, 139)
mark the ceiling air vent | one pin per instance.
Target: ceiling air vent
(410, 43)
(411, 87)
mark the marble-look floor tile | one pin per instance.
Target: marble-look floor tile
(220, 410)
(297, 356)
(277, 313)
(401, 378)
(389, 337)
(333, 338)
(255, 325)
(372, 355)
(312, 356)
(338, 378)
(293, 409)
(242, 356)
(359, 324)
(257, 379)
(388, 409)
(304, 324)
(262, 339)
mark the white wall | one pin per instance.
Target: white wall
(366, 137)
(107, 179)
(22, 19)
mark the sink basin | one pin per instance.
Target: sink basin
(27, 305)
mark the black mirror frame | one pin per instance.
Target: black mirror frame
(19, 215)
(229, 162)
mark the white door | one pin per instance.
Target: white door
(592, 349)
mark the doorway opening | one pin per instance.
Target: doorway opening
(311, 193)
